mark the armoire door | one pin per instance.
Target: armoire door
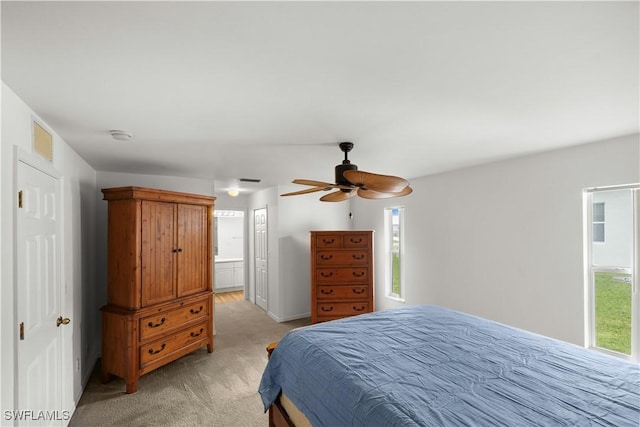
(158, 252)
(192, 250)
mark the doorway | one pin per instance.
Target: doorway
(229, 253)
(43, 381)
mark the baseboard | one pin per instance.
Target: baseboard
(288, 318)
(229, 289)
(84, 380)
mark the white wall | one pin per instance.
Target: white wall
(297, 216)
(504, 240)
(289, 221)
(78, 215)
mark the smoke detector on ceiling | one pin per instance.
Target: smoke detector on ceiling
(120, 135)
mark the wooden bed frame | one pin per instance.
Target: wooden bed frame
(278, 417)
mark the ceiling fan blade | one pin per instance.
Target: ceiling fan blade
(308, 190)
(376, 182)
(371, 194)
(312, 183)
(339, 196)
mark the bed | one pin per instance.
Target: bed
(431, 366)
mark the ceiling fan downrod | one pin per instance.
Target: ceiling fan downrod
(345, 166)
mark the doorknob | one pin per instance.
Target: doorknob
(62, 321)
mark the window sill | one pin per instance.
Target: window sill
(398, 299)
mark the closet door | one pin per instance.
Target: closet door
(158, 252)
(193, 260)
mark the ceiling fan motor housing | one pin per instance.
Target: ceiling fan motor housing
(340, 170)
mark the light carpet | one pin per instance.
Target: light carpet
(200, 389)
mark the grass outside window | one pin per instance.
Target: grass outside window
(613, 312)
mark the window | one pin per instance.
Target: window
(598, 222)
(614, 301)
(394, 232)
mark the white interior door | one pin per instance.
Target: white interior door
(39, 359)
(260, 255)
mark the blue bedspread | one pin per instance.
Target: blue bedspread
(429, 366)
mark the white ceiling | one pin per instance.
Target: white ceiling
(226, 90)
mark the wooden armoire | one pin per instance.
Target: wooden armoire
(341, 274)
(159, 280)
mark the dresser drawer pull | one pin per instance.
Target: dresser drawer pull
(359, 256)
(155, 325)
(326, 257)
(326, 309)
(328, 241)
(361, 308)
(326, 291)
(358, 290)
(197, 334)
(325, 274)
(192, 311)
(358, 240)
(157, 351)
(358, 273)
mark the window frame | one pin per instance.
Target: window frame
(603, 222)
(389, 253)
(590, 269)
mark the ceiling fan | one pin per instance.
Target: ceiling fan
(350, 181)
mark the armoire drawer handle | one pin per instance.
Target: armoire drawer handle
(326, 292)
(323, 308)
(358, 290)
(356, 240)
(328, 241)
(197, 334)
(325, 274)
(151, 351)
(361, 308)
(360, 256)
(326, 257)
(192, 311)
(358, 273)
(155, 325)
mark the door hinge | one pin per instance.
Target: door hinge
(22, 330)
(20, 199)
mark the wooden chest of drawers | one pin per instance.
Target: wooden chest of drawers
(341, 274)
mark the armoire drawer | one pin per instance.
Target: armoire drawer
(342, 275)
(342, 257)
(171, 343)
(159, 323)
(342, 308)
(342, 292)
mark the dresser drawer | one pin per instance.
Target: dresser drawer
(356, 240)
(342, 308)
(342, 257)
(171, 343)
(329, 241)
(342, 275)
(343, 292)
(158, 323)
